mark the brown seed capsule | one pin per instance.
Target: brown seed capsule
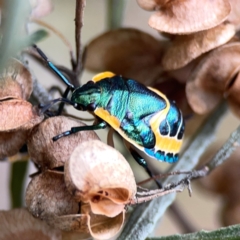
(47, 196)
(188, 16)
(102, 227)
(127, 52)
(213, 77)
(11, 142)
(16, 81)
(70, 223)
(49, 154)
(17, 118)
(20, 224)
(149, 5)
(17, 114)
(184, 48)
(99, 175)
(10, 88)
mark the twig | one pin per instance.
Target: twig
(226, 150)
(145, 216)
(77, 66)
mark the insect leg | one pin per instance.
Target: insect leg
(142, 162)
(73, 130)
(65, 94)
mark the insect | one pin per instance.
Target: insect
(142, 115)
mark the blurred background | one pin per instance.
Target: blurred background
(202, 209)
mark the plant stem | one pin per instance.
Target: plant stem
(18, 173)
(78, 66)
(115, 13)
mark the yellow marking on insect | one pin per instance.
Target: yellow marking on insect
(115, 124)
(163, 143)
(103, 75)
(105, 115)
(168, 144)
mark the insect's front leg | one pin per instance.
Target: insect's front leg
(73, 130)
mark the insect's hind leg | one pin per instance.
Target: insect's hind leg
(142, 162)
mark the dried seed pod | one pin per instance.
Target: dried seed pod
(184, 17)
(149, 5)
(10, 88)
(213, 77)
(18, 114)
(99, 175)
(127, 52)
(48, 154)
(232, 93)
(234, 16)
(70, 223)
(17, 118)
(184, 48)
(20, 224)
(16, 81)
(47, 196)
(176, 92)
(11, 142)
(102, 227)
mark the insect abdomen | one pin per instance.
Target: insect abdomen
(168, 127)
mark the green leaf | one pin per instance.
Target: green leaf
(18, 173)
(34, 38)
(226, 233)
(13, 28)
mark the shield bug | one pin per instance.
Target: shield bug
(142, 115)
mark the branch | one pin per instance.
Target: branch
(115, 13)
(145, 216)
(80, 5)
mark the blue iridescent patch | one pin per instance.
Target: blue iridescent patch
(162, 156)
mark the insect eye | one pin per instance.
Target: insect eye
(79, 107)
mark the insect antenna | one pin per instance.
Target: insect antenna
(54, 68)
(44, 108)
(69, 88)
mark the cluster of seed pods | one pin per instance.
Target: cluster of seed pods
(18, 116)
(83, 184)
(197, 49)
